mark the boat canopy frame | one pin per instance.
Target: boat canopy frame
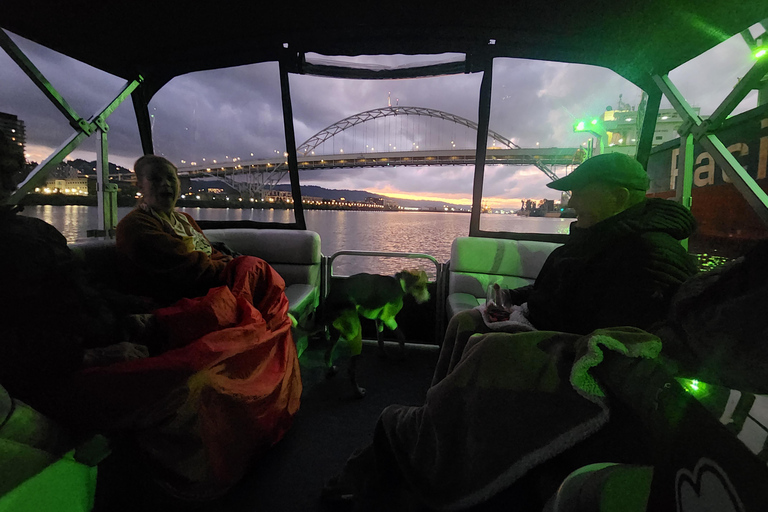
(695, 129)
(156, 57)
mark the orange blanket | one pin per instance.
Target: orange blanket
(200, 412)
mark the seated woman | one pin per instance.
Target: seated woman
(223, 384)
(165, 254)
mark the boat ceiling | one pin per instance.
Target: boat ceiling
(161, 39)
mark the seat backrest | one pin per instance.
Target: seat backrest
(294, 254)
(477, 262)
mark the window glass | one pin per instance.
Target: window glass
(392, 160)
(86, 89)
(536, 108)
(727, 225)
(706, 80)
(66, 196)
(224, 130)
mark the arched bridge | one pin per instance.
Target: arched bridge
(262, 173)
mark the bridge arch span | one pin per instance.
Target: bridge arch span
(323, 135)
(339, 126)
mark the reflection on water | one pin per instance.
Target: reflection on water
(414, 232)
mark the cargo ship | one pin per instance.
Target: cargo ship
(727, 223)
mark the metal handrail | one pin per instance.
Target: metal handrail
(439, 286)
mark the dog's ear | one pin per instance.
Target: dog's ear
(409, 276)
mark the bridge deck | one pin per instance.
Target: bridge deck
(494, 156)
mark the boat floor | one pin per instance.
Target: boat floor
(331, 424)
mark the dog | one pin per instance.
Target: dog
(372, 296)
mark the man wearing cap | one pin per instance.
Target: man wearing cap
(506, 405)
(623, 260)
(621, 265)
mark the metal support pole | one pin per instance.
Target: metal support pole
(747, 84)
(83, 129)
(650, 114)
(684, 182)
(106, 192)
(43, 84)
(37, 175)
(290, 142)
(743, 182)
(484, 115)
(693, 125)
(143, 119)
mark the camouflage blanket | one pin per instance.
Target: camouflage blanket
(512, 402)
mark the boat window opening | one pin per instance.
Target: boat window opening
(383, 62)
(540, 133)
(226, 160)
(707, 79)
(45, 128)
(727, 225)
(387, 151)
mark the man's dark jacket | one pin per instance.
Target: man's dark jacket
(621, 271)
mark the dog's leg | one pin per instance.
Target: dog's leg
(352, 372)
(355, 348)
(330, 354)
(380, 338)
(401, 340)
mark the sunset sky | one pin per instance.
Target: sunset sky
(236, 112)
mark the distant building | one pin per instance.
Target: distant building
(13, 127)
(68, 186)
(375, 200)
(65, 179)
(274, 196)
(311, 200)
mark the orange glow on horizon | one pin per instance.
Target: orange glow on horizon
(501, 203)
(445, 198)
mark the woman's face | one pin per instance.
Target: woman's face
(160, 188)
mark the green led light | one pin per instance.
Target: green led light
(692, 386)
(594, 121)
(760, 52)
(580, 126)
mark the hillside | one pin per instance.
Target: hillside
(361, 195)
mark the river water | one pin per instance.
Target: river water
(415, 232)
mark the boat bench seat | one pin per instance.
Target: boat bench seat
(41, 466)
(294, 254)
(478, 262)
